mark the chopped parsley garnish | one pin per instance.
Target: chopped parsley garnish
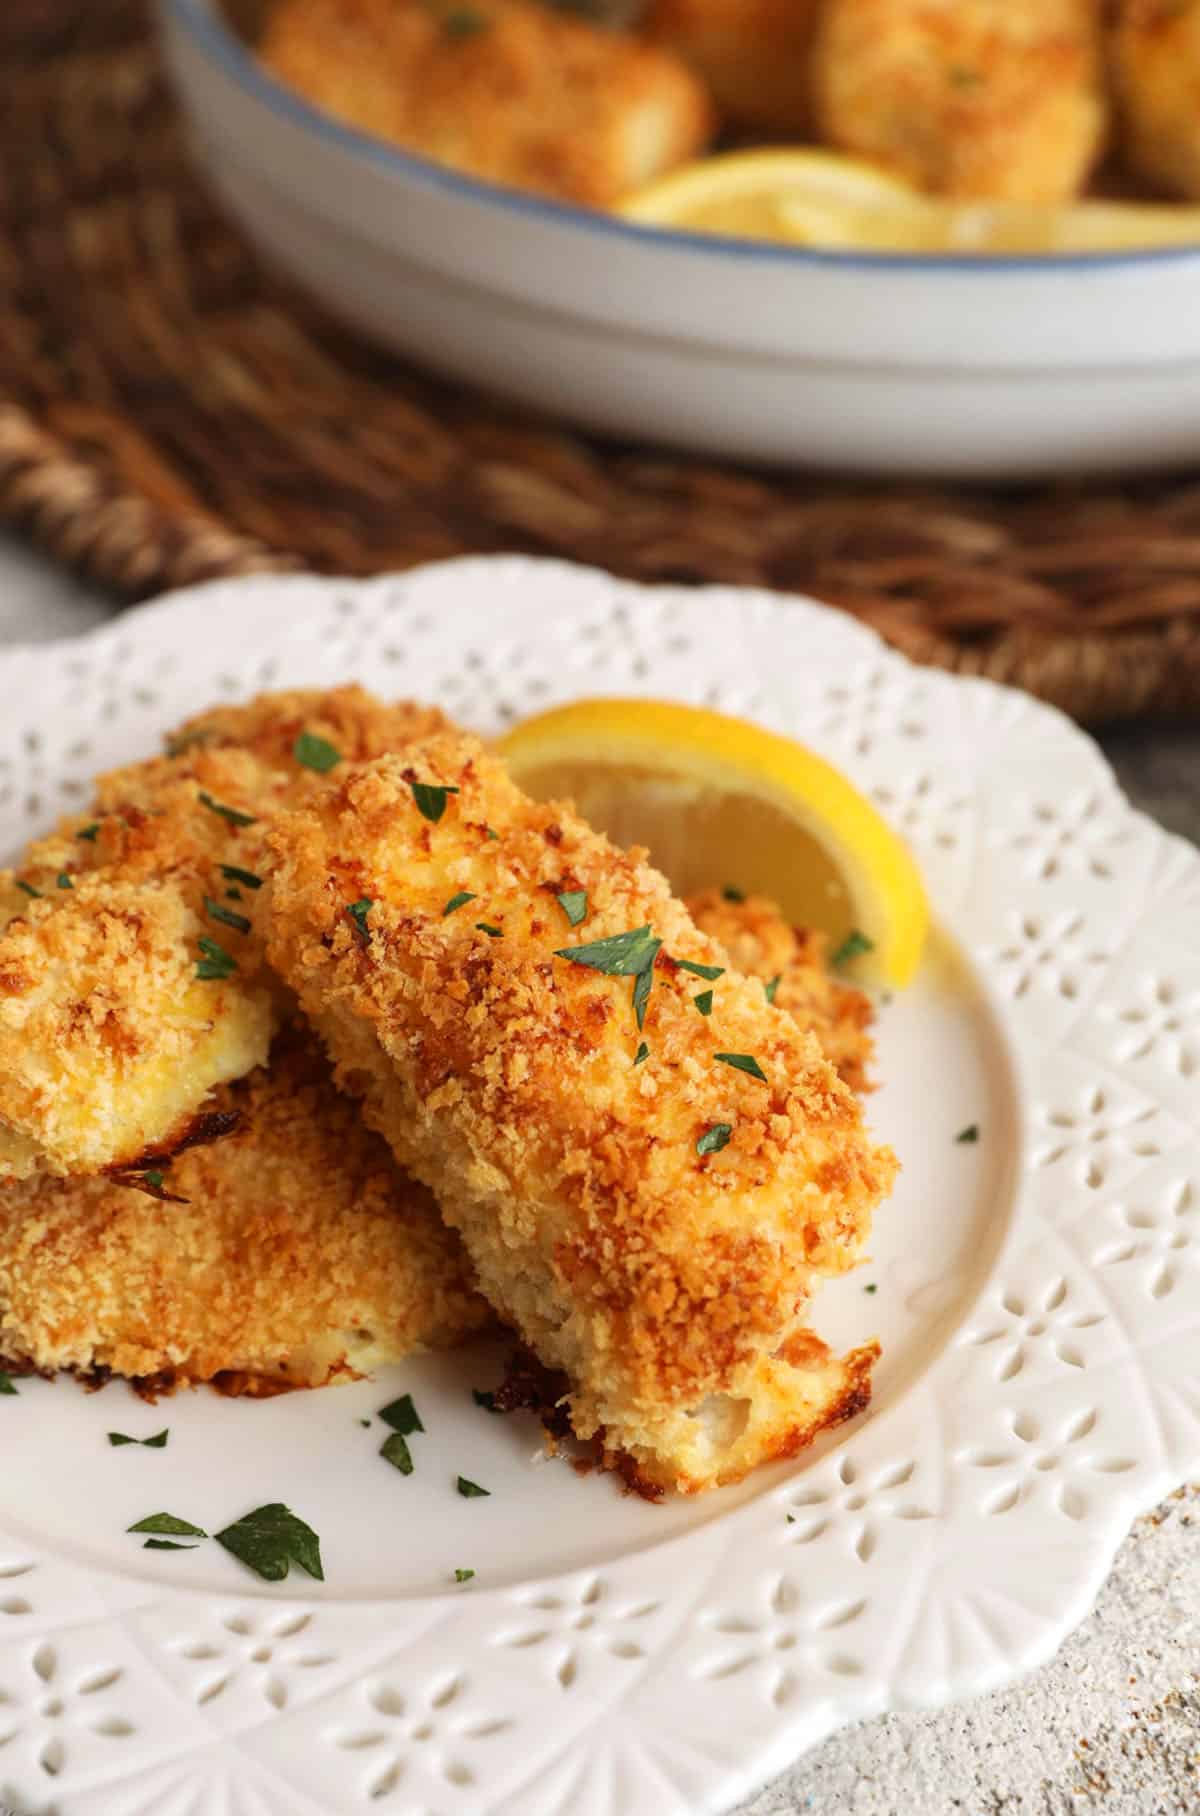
(6, 1386)
(231, 814)
(229, 917)
(486, 1400)
(574, 904)
(63, 880)
(152, 1182)
(358, 912)
(742, 1062)
(233, 874)
(457, 901)
(711, 972)
(733, 895)
(316, 753)
(431, 798)
(365, 1423)
(642, 1054)
(270, 1539)
(396, 1452)
(493, 933)
(770, 988)
(704, 1002)
(401, 1415)
(166, 1545)
(714, 1138)
(969, 1134)
(166, 1525)
(853, 946)
(871, 1289)
(28, 888)
(89, 832)
(157, 1442)
(233, 895)
(623, 955)
(489, 834)
(470, 1490)
(216, 963)
(463, 1576)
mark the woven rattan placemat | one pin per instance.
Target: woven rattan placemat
(168, 411)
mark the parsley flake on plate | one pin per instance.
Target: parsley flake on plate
(166, 1545)
(216, 963)
(358, 912)
(232, 814)
(271, 1539)
(574, 904)
(401, 1415)
(463, 1576)
(704, 1002)
(853, 946)
(871, 1289)
(969, 1134)
(742, 1062)
(229, 917)
(157, 1442)
(6, 1385)
(394, 1450)
(470, 1491)
(167, 1525)
(458, 901)
(714, 1138)
(233, 874)
(316, 753)
(431, 797)
(486, 1400)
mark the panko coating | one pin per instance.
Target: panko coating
(1156, 71)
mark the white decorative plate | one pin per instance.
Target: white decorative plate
(1038, 1294)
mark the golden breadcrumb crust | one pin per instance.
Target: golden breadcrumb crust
(666, 1282)
(109, 1038)
(1156, 70)
(1000, 99)
(754, 55)
(507, 90)
(761, 943)
(303, 1254)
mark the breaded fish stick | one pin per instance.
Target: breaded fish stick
(1156, 70)
(132, 980)
(1000, 99)
(648, 1194)
(508, 90)
(302, 1255)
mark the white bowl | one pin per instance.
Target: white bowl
(993, 368)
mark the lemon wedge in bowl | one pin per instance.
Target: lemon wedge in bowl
(801, 196)
(720, 802)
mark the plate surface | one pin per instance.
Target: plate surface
(1037, 1292)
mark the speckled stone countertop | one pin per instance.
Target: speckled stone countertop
(1111, 1726)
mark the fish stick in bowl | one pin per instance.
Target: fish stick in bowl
(999, 99)
(510, 91)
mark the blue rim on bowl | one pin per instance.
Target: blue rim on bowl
(220, 42)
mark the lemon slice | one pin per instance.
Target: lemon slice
(804, 197)
(722, 803)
